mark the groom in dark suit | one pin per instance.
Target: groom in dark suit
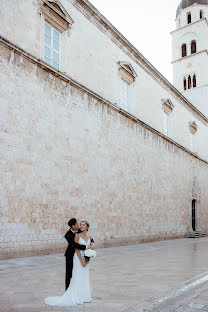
(69, 254)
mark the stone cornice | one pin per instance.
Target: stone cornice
(105, 26)
(188, 56)
(72, 82)
(189, 25)
(62, 14)
(193, 127)
(55, 14)
(127, 72)
(129, 68)
(167, 106)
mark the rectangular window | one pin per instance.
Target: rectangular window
(165, 123)
(192, 142)
(124, 95)
(52, 39)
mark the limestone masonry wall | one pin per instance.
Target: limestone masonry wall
(64, 153)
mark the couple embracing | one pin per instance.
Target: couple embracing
(78, 253)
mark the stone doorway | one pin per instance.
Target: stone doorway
(194, 214)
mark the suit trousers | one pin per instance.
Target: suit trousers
(69, 268)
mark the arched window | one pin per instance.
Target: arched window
(189, 18)
(189, 82)
(194, 81)
(201, 14)
(183, 50)
(184, 83)
(193, 47)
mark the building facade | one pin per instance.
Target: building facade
(89, 128)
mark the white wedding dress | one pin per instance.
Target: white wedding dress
(78, 291)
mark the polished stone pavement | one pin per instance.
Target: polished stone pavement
(123, 279)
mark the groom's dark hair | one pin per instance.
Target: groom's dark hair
(72, 221)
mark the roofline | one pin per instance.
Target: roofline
(141, 56)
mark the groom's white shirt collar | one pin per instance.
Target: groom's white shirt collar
(73, 231)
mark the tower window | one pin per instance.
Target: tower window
(194, 81)
(201, 14)
(184, 83)
(189, 18)
(183, 50)
(193, 47)
(189, 82)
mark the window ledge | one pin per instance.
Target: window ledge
(188, 56)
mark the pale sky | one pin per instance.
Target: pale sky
(147, 25)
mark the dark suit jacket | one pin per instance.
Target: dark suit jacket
(72, 245)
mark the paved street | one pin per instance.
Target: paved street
(161, 276)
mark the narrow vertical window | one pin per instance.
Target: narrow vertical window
(183, 50)
(194, 81)
(52, 46)
(191, 141)
(189, 82)
(165, 122)
(193, 129)
(193, 47)
(124, 95)
(184, 83)
(189, 18)
(201, 14)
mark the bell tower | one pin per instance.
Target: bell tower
(190, 52)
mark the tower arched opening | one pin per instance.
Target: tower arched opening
(183, 50)
(193, 47)
(189, 18)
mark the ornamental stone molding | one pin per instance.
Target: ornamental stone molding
(55, 14)
(167, 106)
(193, 127)
(127, 72)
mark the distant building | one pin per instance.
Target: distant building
(190, 52)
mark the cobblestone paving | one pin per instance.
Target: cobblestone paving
(122, 279)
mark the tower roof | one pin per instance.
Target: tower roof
(186, 3)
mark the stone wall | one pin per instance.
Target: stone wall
(65, 152)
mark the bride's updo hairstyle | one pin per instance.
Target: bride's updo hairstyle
(87, 223)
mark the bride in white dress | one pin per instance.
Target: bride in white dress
(78, 291)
